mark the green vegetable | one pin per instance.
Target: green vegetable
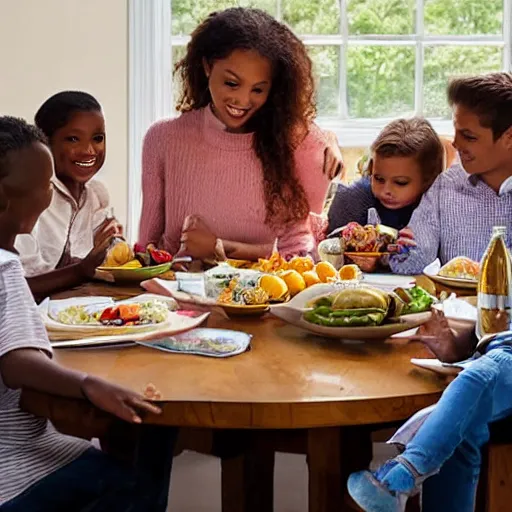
(324, 315)
(420, 301)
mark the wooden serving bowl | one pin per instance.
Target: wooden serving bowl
(366, 261)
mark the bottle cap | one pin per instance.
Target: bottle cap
(499, 230)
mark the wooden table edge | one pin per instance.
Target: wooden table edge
(231, 415)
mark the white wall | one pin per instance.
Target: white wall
(47, 46)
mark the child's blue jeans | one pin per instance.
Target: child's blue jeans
(451, 438)
(95, 482)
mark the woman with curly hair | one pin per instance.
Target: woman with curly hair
(244, 164)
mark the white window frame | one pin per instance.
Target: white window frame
(150, 82)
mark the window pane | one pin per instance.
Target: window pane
(380, 81)
(326, 62)
(381, 16)
(312, 16)
(187, 14)
(444, 62)
(463, 17)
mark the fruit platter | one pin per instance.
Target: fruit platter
(126, 264)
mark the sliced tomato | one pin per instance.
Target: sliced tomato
(109, 314)
(129, 312)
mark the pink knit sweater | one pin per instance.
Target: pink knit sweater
(191, 165)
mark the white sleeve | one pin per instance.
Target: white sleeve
(20, 323)
(30, 254)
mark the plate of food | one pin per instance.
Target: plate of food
(237, 291)
(362, 245)
(356, 311)
(244, 291)
(124, 264)
(460, 272)
(89, 317)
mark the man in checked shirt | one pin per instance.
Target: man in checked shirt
(455, 218)
(457, 214)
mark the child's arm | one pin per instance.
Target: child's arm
(350, 204)
(426, 228)
(33, 369)
(74, 275)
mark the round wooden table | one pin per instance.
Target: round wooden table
(289, 379)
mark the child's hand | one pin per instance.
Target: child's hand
(107, 230)
(121, 402)
(449, 340)
(333, 163)
(404, 243)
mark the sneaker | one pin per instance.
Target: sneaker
(372, 493)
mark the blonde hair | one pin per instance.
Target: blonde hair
(415, 138)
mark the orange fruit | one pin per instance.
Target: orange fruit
(311, 278)
(275, 286)
(325, 271)
(349, 272)
(294, 281)
(301, 264)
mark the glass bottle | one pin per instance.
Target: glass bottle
(495, 286)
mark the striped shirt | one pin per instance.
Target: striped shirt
(455, 218)
(30, 447)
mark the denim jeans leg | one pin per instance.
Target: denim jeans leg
(154, 457)
(77, 486)
(466, 406)
(453, 489)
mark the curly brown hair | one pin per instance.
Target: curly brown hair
(285, 117)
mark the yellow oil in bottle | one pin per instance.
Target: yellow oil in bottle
(495, 286)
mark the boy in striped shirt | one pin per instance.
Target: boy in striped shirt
(42, 470)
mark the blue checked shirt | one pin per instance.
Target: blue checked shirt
(455, 218)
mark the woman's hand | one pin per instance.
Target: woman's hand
(198, 241)
(121, 402)
(333, 163)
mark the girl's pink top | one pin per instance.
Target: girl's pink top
(192, 165)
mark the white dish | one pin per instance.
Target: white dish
(432, 271)
(58, 331)
(437, 366)
(388, 282)
(292, 313)
(178, 323)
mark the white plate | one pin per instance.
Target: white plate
(437, 366)
(292, 313)
(58, 331)
(388, 282)
(432, 271)
(177, 324)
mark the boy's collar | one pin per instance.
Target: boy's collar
(505, 188)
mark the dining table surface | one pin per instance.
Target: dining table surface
(288, 379)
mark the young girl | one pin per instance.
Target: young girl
(406, 158)
(244, 164)
(43, 470)
(72, 235)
